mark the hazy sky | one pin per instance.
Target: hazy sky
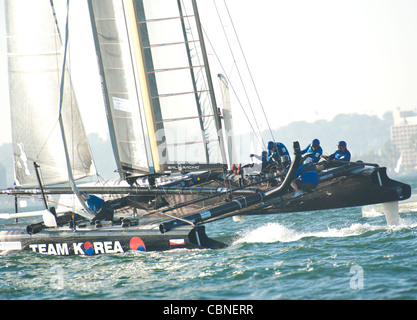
(310, 59)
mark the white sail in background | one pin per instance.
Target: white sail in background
(398, 166)
(157, 78)
(228, 120)
(35, 58)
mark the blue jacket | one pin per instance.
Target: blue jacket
(95, 203)
(316, 153)
(281, 151)
(308, 173)
(340, 155)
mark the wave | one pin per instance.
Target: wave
(275, 232)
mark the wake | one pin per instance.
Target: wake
(275, 232)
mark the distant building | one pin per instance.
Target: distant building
(404, 136)
(3, 179)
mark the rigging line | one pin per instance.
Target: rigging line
(71, 101)
(202, 75)
(71, 87)
(100, 178)
(57, 68)
(47, 139)
(247, 66)
(61, 91)
(59, 36)
(194, 42)
(232, 87)
(55, 19)
(237, 68)
(57, 45)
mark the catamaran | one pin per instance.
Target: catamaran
(171, 142)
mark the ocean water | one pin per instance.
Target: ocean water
(345, 254)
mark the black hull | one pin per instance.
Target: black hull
(347, 186)
(367, 186)
(105, 240)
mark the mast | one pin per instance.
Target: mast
(143, 83)
(209, 80)
(190, 61)
(86, 214)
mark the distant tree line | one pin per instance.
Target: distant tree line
(368, 137)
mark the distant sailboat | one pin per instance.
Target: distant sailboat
(176, 163)
(398, 166)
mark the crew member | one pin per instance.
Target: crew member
(341, 154)
(306, 178)
(102, 209)
(279, 153)
(94, 203)
(315, 150)
(262, 157)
